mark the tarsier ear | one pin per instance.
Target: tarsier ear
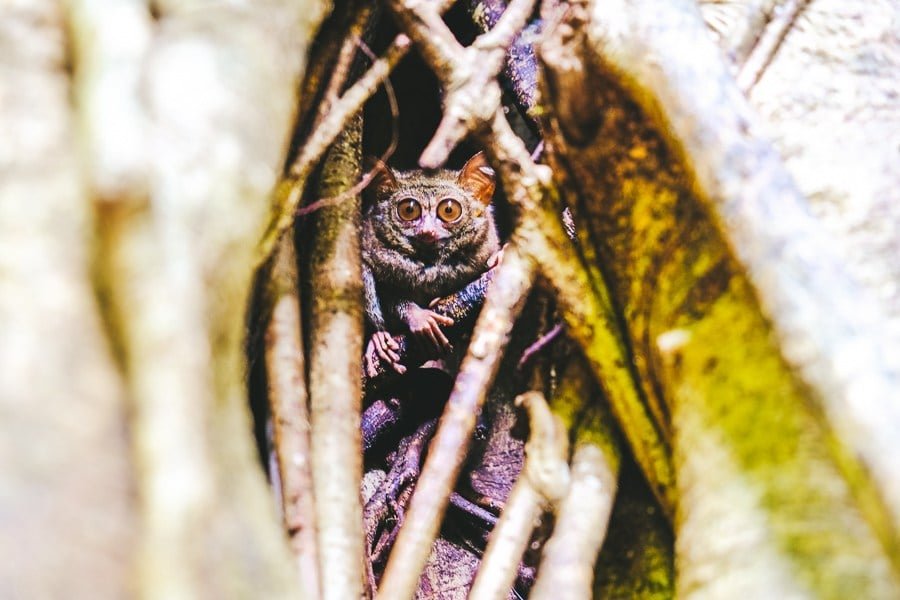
(383, 178)
(477, 177)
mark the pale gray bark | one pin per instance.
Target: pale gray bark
(66, 497)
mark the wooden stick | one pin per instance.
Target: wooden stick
(288, 398)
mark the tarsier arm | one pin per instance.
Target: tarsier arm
(382, 346)
(462, 306)
(373, 306)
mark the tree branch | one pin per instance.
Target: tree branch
(290, 190)
(448, 448)
(544, 480)
(288, 398)
(335, 374)
(830, 330)
(468, 75)
(570, 555)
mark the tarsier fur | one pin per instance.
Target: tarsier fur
(425, 234)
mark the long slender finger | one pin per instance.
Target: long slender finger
(382, 354)
(442, 319)
(394, 357)
(439, 336)
(387, 341)
(388, 346)
(430, 343)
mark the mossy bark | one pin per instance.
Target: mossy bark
(767, 504)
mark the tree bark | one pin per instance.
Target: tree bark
(146, 480)
(753, 459)
(66, 501)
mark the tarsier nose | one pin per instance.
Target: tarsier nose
(427, 235)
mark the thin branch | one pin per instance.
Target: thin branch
(290, 415)
(769, 42)
(510, 24)
(335, 375)
(290, 191)
(567, 566)
(468, 75)
(539, 344)
(344, 62)
(507, 543)
(388, 152)
(521, 69)
(569, 556)
(544, 481)
(448, 449)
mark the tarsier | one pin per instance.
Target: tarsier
(425, 234)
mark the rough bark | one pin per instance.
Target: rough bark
(335, 376)
(66, 503)
(752, 457)
(289, 414)
(149, 482)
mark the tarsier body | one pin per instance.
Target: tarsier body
(425, 235)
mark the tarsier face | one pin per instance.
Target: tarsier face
(430, 216)
(427, 211)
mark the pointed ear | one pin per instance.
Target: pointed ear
(383, 178)
(477, 177)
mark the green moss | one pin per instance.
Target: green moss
(636, 561)
(761, 499)
(729, 383)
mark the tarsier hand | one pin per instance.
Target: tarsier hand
(425, 329)
(382, 347)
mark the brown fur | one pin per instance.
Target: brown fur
(400, 267)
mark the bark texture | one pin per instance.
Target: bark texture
(129, 438)
(739, 415)
(66, 500)
(712, 247)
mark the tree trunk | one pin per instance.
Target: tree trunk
(731, 283)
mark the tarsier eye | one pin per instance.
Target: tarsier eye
(449, 210)
(408, 209)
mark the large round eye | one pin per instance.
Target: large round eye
(448, 210)
(408, 209)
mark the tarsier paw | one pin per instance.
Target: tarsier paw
(425, 329)
(382, 349)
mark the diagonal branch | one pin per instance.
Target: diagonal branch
(468, 75)
(520, 71)
(290, 190)
(448, 449)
